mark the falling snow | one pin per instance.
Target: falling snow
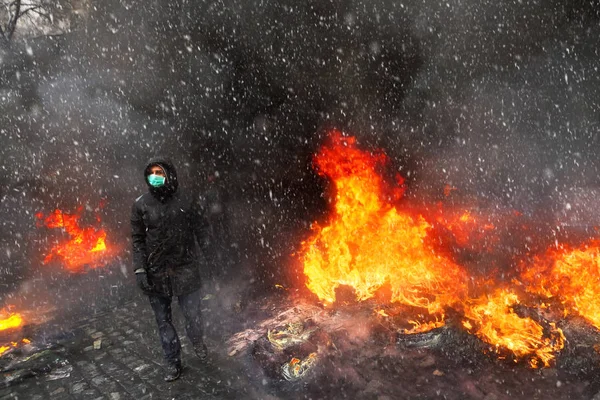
(494, 102)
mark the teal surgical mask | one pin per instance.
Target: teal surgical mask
(156, 180)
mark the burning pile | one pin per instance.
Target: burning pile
(84, 247)
(378, 265)
(370, 243)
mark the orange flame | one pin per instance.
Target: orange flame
(468, 228)
(86, 246)
(499, 325)
(571, 276)
(4, 349)
(420, 327)
(14, 321)
(369, 243)
(9, 320)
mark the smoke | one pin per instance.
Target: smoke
(510, 92)
(497, 99)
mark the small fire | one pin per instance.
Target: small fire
(9, 321)
(5, 348)
(420, 327)
(296, 368)
(381, 313)
(571, 276)
(86, 246)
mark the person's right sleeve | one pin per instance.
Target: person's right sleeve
(138, 238)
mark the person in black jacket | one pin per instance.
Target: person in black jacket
(166, 223)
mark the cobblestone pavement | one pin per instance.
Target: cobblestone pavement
(116, 355)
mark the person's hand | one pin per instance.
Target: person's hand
(141, 279)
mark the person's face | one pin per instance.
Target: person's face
(157, 170)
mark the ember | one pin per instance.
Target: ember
(296, 369)
(86, 246)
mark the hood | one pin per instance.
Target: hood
(170, 185)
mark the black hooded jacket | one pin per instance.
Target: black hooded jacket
(165, 225)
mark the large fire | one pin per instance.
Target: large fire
(371, 245)
(85, 246)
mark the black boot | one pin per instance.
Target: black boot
(201, 351)
(173, 372)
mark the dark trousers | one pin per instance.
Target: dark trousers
(189, 304)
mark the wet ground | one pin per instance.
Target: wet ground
(115, 355)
